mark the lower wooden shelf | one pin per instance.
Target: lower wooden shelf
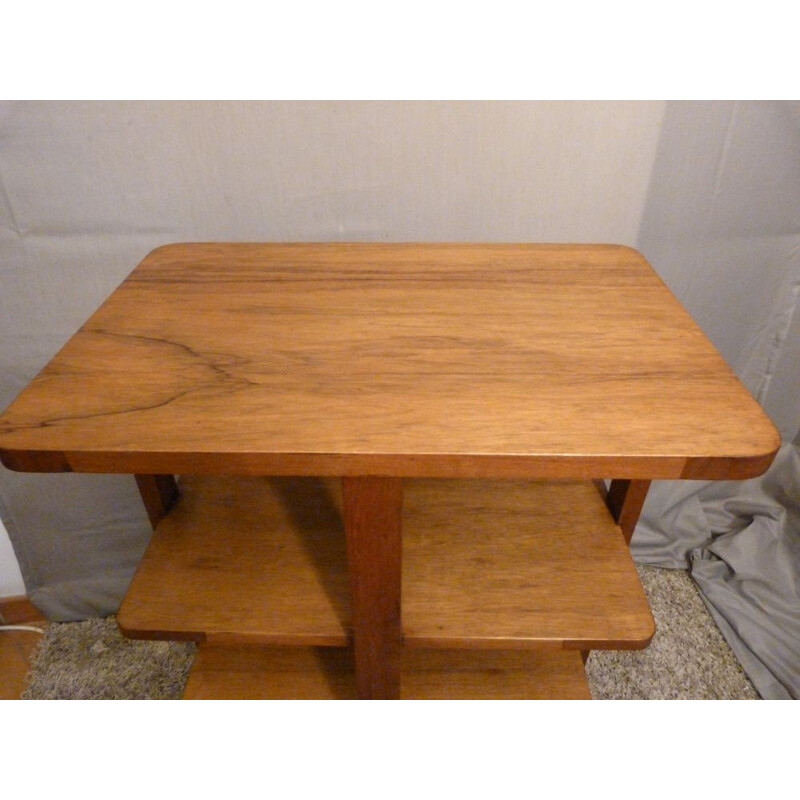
(486, 564)
(258, 560)
(247, 672)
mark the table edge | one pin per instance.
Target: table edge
(432, 465)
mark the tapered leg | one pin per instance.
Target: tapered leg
(159, 493)
(625, 500)
(372, 515)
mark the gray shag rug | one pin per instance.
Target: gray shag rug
(91, 660)
(688, 658)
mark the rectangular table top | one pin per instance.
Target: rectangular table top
(462, 360)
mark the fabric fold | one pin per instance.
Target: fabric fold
(741, 544)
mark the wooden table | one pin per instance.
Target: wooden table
(389, 456)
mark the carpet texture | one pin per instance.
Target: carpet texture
(688, 658)
(91, 660)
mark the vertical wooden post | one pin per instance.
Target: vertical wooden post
(159, 493)
(625, 500)
(372, 516)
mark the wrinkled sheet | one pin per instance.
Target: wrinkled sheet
(741, 544)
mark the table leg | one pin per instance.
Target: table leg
(625, 500)
(159, 493)
(372, 515)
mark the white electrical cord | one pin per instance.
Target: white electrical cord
(20, 628)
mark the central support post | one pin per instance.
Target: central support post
(373, 525)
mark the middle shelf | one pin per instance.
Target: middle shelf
(486, 564)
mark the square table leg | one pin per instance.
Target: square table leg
(372, 516)
(159, 493)
(625, 501)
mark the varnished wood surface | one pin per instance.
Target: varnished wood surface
(257, 559)
(518, 564)
(379, 359)
(253, 673)
(372, 510)
(494, 564)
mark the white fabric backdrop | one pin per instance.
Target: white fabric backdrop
(708, 191)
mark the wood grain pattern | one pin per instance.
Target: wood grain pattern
(515, 564)
(254, 673)
(494, 564)
(249, 560)
(463, 360)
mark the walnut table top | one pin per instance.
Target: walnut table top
(410, 360)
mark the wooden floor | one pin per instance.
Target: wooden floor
(16, 646)
(15, 651)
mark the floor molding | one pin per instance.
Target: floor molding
(17, 610)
